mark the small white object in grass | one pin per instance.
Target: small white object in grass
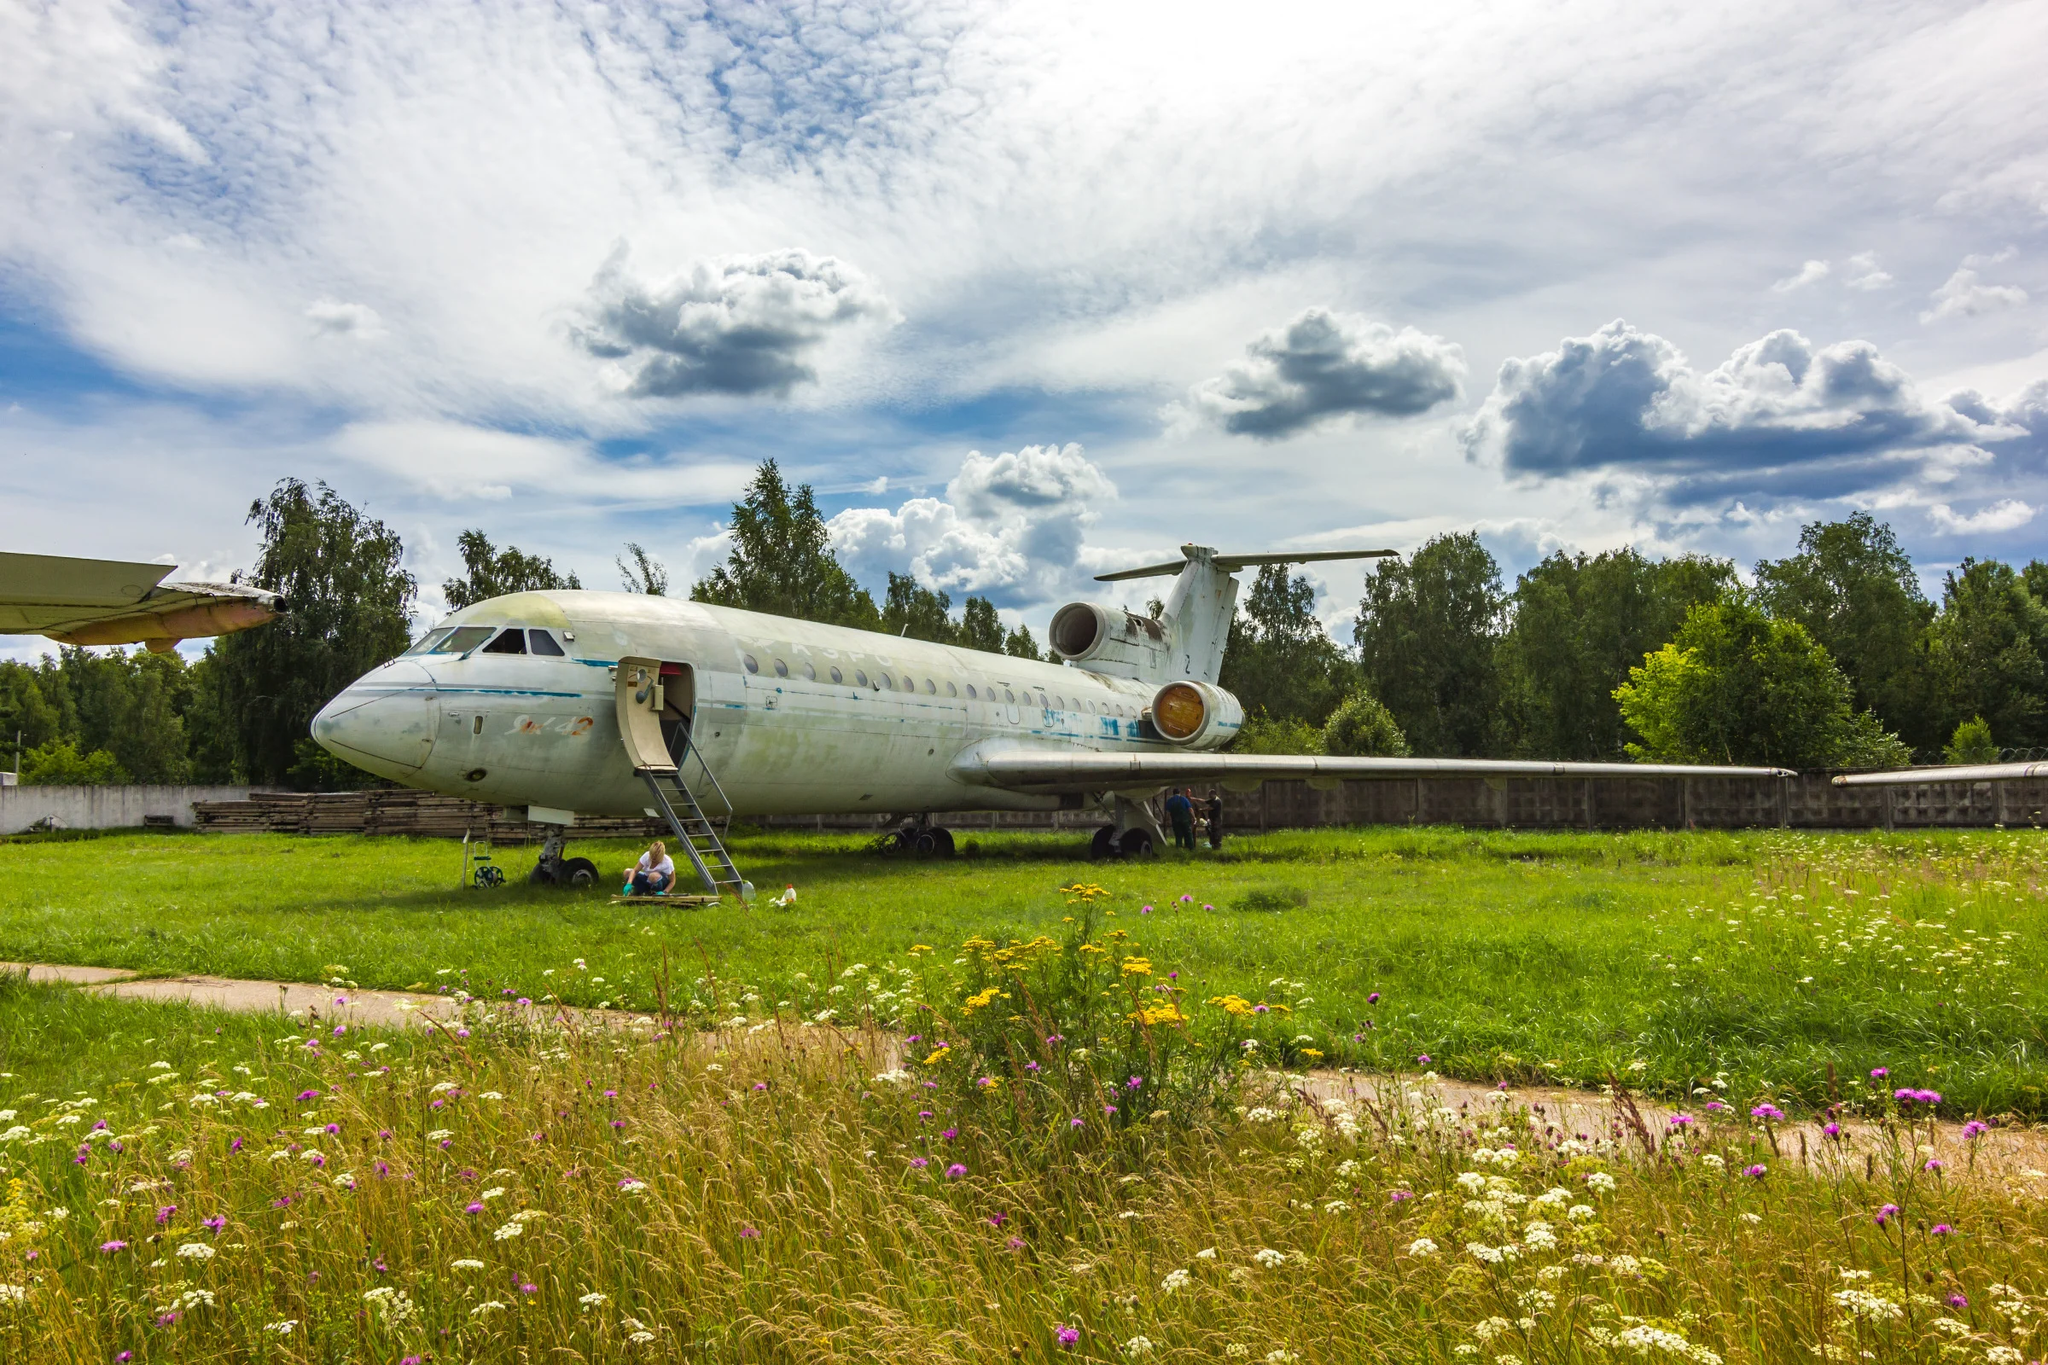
(283, 1329)
(195, 1251)
(467, 1264)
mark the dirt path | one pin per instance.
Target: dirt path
(2015, 1156)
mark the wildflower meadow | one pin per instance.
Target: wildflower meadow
(1083, 1132)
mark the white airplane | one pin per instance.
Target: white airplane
(606, 703)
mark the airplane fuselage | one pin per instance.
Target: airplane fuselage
(791, 716)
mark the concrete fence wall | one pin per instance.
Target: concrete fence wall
(128, 807)
(1806, 802)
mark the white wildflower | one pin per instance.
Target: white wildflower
(1176, 1280)
(12, 1293)
(641, 1338)
(482, 1309)
(282, 1329)
(1269, 1258)
(593, 1299)
(1422, 1246)
(440, 1135)
(1138, 1346)
(195, 1251)
(1601, 1181)
(1206, 1254)
(511, 1229)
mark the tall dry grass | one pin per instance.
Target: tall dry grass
(788, 1191)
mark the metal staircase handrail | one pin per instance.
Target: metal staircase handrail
(690, 747)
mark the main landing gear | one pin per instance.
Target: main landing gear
(918, 838)
(1136, 833)
(1132, 843)
(555, 870)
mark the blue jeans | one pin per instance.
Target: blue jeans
(650, 883)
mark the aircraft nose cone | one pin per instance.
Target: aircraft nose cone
(384, 723)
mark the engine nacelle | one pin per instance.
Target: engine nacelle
(1119, 643)
(1196, 715)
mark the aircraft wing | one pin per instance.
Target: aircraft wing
(1067, 770)
(113, 602)
(1977, 772)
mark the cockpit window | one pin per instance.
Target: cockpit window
(540, 642)
(463, 639)
(512, 641)
(426, 643)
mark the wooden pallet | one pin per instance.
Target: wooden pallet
(694, 901)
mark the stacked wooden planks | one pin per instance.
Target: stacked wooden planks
(427, 815)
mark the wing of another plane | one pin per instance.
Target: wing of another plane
(1019, 768)
(113, 602)
(1977, 772)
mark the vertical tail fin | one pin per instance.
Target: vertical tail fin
(1200, 606)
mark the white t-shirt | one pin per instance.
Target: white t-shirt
(667, 868)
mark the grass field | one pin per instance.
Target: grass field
(208, 1189)
(1770, 964)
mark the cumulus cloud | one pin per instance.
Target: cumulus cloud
(1963, 296)
(1323, 365)
(1627, 398)
(2004, 515)
(1810, 273)
(1011, 526)
(742, 324)
(1867, 275)
(332, 317)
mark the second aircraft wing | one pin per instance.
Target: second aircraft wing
(1019, 768)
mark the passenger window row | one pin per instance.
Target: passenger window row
(887, 682)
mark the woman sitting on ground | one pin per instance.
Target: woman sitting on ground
(654, 874)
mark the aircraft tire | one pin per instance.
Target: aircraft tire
(1135, 843)
(1103, 845)
(927, 844)
(540, 876)
(945, 841)
(577, 872)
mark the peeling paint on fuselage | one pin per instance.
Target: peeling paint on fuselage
(781, 736)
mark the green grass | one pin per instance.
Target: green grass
(1499, 955)
(525, 1193)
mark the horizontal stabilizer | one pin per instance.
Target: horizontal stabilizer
(1232, 563)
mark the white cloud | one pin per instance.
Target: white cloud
(332, 317)
(459, 463)
(1962, 296)
(1780, 415)
(1011, 526)
(1322, 365)
(741, 325)
(1810, 273)
(2004, 515)
(1867, 275)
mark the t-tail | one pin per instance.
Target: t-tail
(1186, 643)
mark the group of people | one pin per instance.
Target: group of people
(1182, 810)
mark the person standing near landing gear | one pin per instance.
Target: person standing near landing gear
(1213, 812)
(1181, 811)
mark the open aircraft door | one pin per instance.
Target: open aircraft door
(656, 701)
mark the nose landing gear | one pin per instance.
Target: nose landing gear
(555, 870)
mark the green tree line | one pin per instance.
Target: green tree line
(1832, 656)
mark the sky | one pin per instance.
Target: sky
(1026, 292)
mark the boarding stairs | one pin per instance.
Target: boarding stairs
(694, 831)
(644, 694)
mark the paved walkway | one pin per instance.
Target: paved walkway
(2015, 1156)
